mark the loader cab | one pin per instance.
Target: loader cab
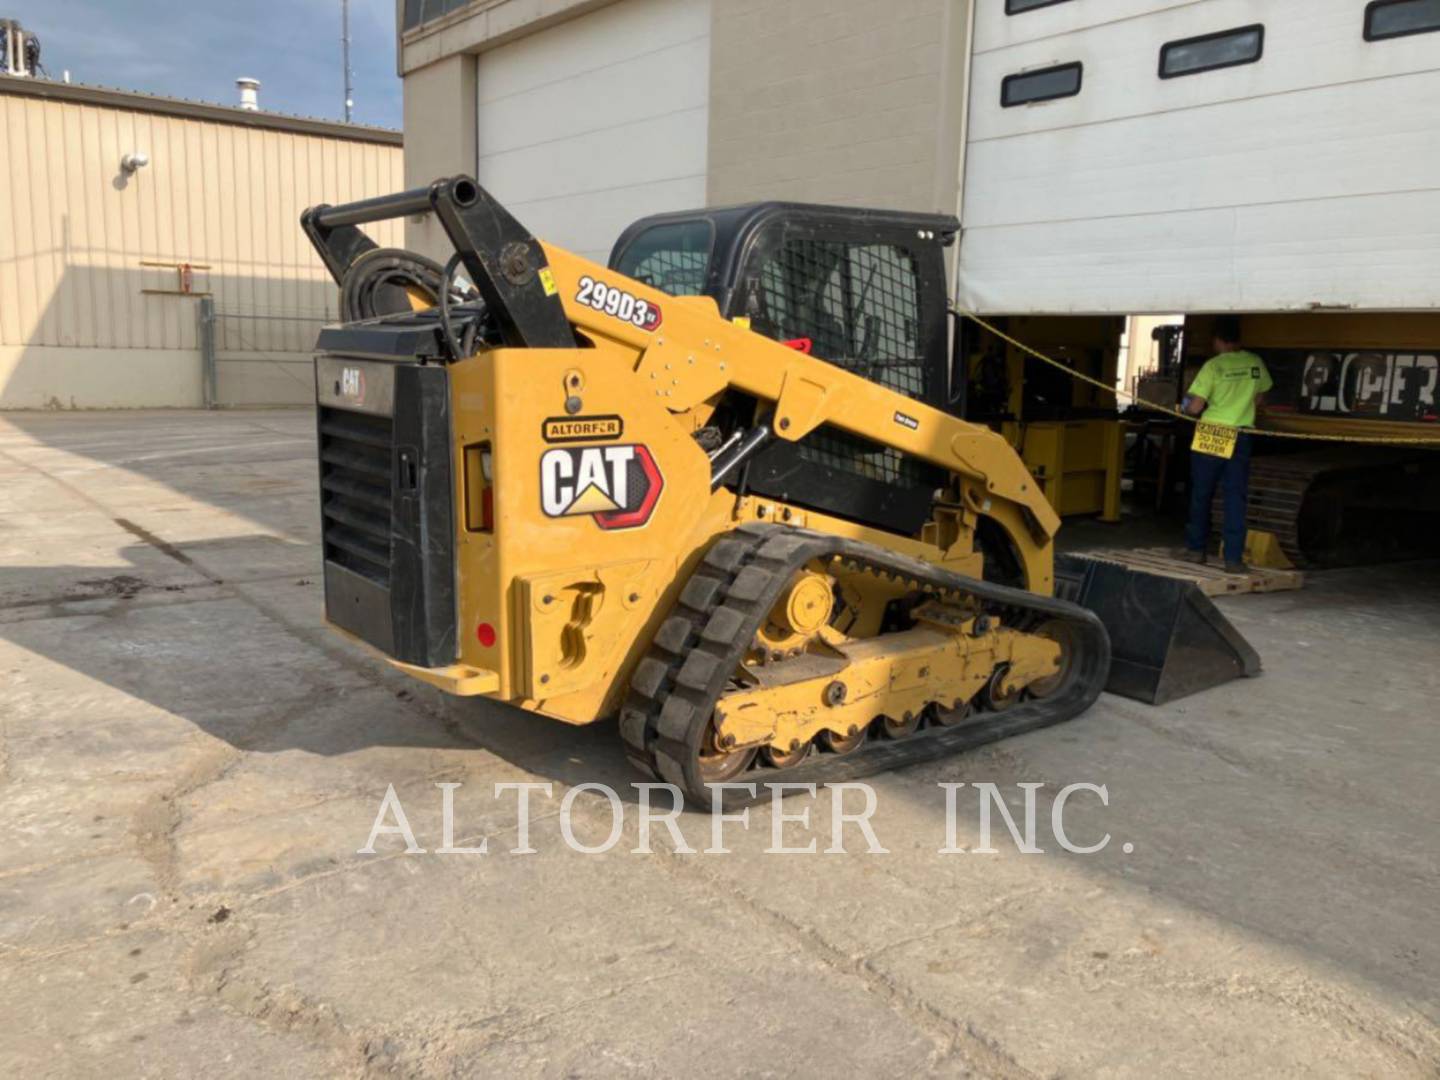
(862, 289)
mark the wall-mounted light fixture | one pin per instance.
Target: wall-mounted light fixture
(133, 161)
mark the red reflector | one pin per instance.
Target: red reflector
(485, 634)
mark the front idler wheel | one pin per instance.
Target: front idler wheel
(1063, 634)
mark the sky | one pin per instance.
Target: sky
(197, 48)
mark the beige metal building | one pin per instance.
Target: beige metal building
(107, 263)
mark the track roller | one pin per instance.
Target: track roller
(699, 655)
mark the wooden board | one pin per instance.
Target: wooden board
(1211, 578)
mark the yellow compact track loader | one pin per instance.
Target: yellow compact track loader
(712, 489)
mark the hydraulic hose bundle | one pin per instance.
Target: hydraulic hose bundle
(391, 281)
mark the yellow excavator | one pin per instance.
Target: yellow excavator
(715, 489)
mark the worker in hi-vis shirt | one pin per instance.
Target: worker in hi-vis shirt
(1224, 396)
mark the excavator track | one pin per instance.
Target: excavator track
(1278, 487)
(702, 643)
(1339, 508)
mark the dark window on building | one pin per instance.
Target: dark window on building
(1043, 85)
(418, 12)
(1015, 7)
(1228, 48)
(674, 258)
(1399, 18)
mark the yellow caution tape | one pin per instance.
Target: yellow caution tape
(1403, 440)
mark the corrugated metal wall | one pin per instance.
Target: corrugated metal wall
(75, 229)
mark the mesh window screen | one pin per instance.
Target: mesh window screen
(858, 304)
(672, 258)
(836, 449)
(679, 273)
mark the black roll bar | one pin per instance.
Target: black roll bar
(501, 256)
(380, 208)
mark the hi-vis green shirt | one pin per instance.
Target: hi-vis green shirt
(1229, 384)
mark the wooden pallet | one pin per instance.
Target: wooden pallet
(1211, 578)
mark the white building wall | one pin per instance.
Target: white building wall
(1310, 178)
(584, 126)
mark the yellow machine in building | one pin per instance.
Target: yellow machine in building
(638, 490)
(1067, 432)
(1347, 378)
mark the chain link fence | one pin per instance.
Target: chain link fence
(258, 358)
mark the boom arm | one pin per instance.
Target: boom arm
(693, 354)
(544, 297)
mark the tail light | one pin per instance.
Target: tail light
(479, 488)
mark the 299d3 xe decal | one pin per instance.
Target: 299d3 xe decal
(625, 306)
(616, 485)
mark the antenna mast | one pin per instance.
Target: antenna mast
(345, 54)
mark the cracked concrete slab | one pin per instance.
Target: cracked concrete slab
(54, 909)
(128, 1011)
(509, 965)
(187, 774)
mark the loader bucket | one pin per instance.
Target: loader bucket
(1168, 640)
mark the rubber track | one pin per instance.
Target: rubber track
(703, 641)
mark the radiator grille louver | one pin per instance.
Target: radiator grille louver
(355, 471)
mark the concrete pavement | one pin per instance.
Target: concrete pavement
(189, 763)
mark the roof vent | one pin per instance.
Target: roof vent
(249, 93)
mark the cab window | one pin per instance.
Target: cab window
(857, 304)
(673, 257)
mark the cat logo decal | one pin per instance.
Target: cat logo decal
(616, 485)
